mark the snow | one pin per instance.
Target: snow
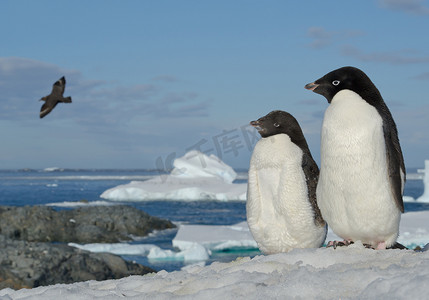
(324, 273)
(195, 176)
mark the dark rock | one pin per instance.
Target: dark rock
(28, 264)
(99, 224)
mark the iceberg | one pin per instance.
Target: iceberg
(195, 176)
(425, 171)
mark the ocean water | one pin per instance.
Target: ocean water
(41, 187)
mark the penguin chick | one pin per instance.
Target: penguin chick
(281, 206)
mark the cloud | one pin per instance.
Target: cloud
(320, 36)
(165, 78)
(398, 57)
(323, 38)
(415, 7)
(422, 76)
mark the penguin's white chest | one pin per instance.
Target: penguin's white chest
(353, 191)
(279, 214)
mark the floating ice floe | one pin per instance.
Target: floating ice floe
(195, 176)
(194, 243)
(117, 248)
(194, 252)
(214, 237)
(81, 203)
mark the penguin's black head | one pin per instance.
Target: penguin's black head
(276, 122)
(346, 78)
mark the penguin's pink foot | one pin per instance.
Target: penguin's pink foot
(381, 246)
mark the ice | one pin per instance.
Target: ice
(117, 248)
(194, 252)
(214, 237)
(81, 203)
(53, 169)
(196, 242)
(425, 196)
(195, 176)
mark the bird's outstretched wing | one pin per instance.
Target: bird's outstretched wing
(47, 107)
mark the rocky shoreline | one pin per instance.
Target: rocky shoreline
(32, 253)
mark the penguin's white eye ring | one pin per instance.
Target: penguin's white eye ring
(276, 125)
(336, 82)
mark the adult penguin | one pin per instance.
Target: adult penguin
(362, 171)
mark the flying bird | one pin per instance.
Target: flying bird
(54, 97)
(362, 171)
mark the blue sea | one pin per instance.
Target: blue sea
(41, 187)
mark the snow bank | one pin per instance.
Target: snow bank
(344, 273)
(195, 176)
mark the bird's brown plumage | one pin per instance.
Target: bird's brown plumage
(54, 97)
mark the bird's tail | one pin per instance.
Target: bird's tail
(66, 100)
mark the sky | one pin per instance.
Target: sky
(151, 80)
